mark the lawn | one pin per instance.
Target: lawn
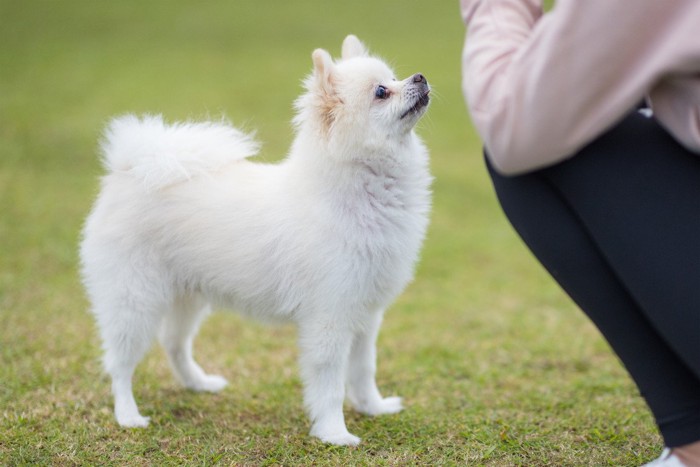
(495, 364)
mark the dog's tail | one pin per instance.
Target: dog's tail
(161, 154)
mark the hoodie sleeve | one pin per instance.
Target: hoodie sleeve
(541, 86)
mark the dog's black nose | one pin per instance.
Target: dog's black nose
(418, 78)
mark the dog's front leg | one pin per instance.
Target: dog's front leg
(324, 351)
(362, 387)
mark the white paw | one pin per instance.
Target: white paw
(343, 438)
(132, 420)
(209, 383)
(388, 405)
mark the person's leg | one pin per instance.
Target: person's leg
(637, 192)
(570, 217)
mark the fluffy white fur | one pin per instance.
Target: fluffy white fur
(160, 155)
(326, 239)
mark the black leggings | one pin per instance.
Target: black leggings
(618, 227)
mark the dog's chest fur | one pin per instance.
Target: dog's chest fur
(380, 215)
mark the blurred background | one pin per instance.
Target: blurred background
(496, 365)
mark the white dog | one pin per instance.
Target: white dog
(326, 239)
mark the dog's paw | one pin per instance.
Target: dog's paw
(390, 405)
(133, 421)
(344, 438)
(208, 383)
(384, 406)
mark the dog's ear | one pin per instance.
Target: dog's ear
(322, 86)
(353, 47)
(323, 68)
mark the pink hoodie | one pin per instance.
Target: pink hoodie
(540, 87)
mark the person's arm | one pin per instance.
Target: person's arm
(539, 87)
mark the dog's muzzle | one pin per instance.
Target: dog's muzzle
(420, 91)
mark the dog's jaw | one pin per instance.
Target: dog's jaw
(419, 106)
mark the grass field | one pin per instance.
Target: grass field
(495, 364)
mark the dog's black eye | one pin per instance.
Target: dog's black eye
(381, 92)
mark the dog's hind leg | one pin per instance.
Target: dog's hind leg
(127, 334)
(177, 332)
(362, 387)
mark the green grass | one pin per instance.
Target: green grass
(496, 366)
